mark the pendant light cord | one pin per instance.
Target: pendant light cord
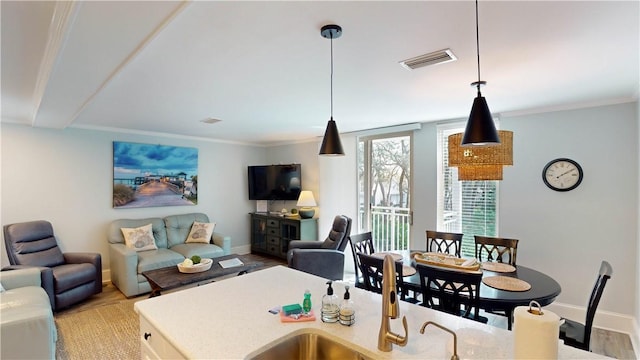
(332, 76)
(477, 46)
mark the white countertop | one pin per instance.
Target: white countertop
(229, 319)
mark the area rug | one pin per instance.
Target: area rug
(106, 332)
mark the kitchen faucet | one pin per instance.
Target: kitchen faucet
(455, 338)
(390, 308)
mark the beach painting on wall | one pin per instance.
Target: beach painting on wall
(147, 175)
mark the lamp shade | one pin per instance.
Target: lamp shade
(331, 144)
(480, 172)
(499, 154)
(480, 128)
(306, 199)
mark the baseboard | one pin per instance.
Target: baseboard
(604, 320)
(241, 250)
(106, 277)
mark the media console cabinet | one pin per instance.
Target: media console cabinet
(270, 234)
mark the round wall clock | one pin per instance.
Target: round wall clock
(562, 174)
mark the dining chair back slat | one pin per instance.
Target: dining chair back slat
(451, 291)
(360, 243)
(496, 249)
(444, 242)
(576, 334)
(372, 270)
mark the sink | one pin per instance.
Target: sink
(307, 345)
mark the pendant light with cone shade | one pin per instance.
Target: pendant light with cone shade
(331, 144)
(480, 129)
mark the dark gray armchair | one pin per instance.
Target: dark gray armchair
(322, 258)
(67, 278)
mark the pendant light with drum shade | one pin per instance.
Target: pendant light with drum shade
(331, 144)
(480, 129)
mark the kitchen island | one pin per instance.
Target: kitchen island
(229, 319)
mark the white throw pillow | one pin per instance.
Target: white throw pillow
(139, 239)
(1, 288)
(200, 232)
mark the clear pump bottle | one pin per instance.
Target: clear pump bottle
(330, 310)
(347, 310)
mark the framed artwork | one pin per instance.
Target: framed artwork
(147, 175)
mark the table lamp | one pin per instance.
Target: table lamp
(306, 201)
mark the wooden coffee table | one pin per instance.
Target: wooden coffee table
(170, 277)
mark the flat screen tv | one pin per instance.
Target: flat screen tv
(275, 182)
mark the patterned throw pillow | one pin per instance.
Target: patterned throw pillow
(139, 239)
(200, 232)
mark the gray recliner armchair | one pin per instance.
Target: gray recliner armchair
(322, 258)
(68, 278)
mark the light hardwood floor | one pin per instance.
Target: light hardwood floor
(609, 343)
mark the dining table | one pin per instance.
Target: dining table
(541, 288)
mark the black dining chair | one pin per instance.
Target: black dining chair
(451, 291)
(496, 249)
(579, 335)
(360, 243)
(372, 270)
(444, 242)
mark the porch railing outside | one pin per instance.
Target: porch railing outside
(391, 231)
(390, 228)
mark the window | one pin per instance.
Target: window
(468, 207)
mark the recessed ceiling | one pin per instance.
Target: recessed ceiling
(264, 68)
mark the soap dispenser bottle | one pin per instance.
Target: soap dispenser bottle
(306, 303)
(330, 310)
(347, 311)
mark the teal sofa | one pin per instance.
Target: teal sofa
(170, 234)
(27, 328)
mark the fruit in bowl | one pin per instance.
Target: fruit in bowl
(194, 260)
(187, 262)
(194, 264)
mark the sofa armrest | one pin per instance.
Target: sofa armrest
(94, 259)
(224, 241)
(325, 263)
(305, 244)
(123, 264)
(13, 279)
(46, 279)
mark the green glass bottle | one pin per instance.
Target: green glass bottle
(306, 303)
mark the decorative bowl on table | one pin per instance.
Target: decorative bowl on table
(203, 265)
(447, 261)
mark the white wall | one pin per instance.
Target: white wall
(424, 195)
(568, 234)
(338, 184)
(637, 310)
(66, 176)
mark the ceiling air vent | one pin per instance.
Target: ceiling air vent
(436, 57)
(210, 120)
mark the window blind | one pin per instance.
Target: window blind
(468, 207)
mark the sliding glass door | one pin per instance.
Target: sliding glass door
(384, 188)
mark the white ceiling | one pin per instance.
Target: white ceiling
(264, 70)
